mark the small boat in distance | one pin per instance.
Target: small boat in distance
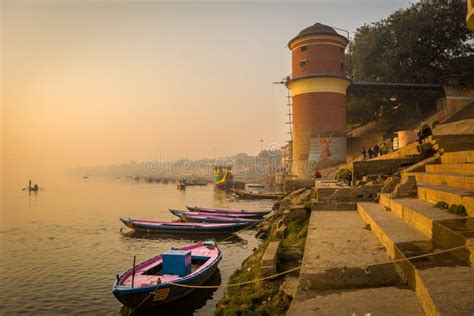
(191, 217)
(150, 283)
(216, 210)
(183, 228)
(35, 188)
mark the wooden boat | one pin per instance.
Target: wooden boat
(217, 210)
(257, 195)
(196, 183)
(149, 283)
(191, 217)
(183, 228)
(229, 215)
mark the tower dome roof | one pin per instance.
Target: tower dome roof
(317, 29)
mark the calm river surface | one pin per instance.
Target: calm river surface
(61, 248)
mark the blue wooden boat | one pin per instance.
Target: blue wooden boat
(192, 217)
(183, 228)
(254, 213)
(150, 283)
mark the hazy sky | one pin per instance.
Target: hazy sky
(103, 82)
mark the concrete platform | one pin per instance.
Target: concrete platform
(446, 229)
(465, 182)
(437, 193)
(458, 168)
(360, 302)
(337, 244)
(442, 283)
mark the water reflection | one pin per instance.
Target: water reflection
(221, 197)
(194, 301)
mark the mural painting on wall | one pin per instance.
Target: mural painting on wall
(327, 150)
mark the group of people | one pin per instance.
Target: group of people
(423, 133)
(375, 151)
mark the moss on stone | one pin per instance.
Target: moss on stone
(264, 297)
(457, 209)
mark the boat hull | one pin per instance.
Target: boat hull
(233, 212)
(145, 294)
(197, 228)
(132, 300)
(257, 196)
(189, 217)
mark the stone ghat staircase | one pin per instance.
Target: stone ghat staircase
(347, 266)
(452, 181)
(407, 227)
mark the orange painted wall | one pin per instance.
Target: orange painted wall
(317, 58)
(314, 114)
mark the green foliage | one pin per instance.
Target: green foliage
(442, 205)
(419, 43)
(344, 174)
(453, 208)
(457, 209)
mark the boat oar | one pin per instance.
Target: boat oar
(133, 270)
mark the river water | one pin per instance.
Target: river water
(61, 248)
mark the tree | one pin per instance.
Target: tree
(420, 43)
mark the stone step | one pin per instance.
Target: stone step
(459, 181)
(441, 193)
(458, 157)
(446, 229)
(338, 248)
(454, 146)
(443, 284)
(458, 168)
(372, 301)
(337, 241)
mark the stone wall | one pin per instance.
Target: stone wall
(379, 167)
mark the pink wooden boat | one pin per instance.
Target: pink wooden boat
(149, 283)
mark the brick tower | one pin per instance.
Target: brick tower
(318, 86)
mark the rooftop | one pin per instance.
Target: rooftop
(317, 29)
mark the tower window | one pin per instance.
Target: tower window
(303, 63)
(303, 48)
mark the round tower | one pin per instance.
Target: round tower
(318, 86)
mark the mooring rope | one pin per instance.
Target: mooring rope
(231, 236)
(365, 267)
